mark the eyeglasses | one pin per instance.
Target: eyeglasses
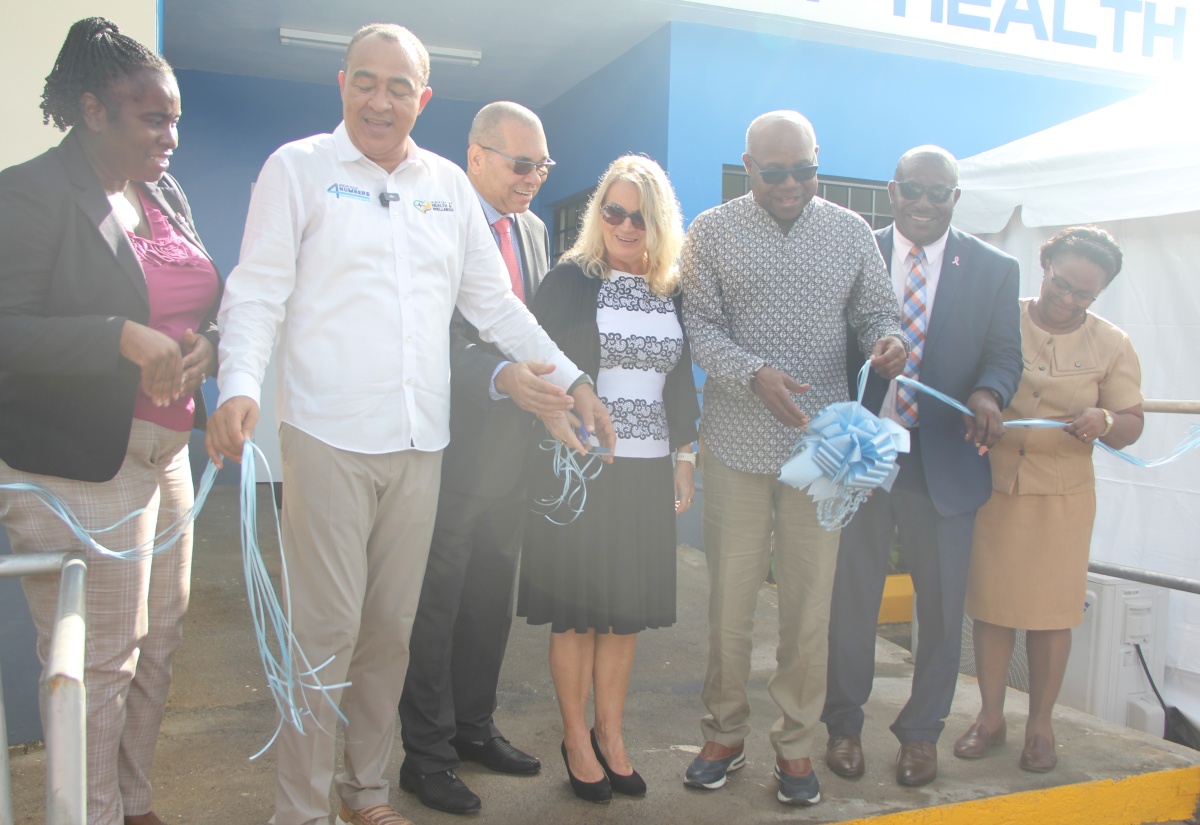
(521, 168)
(913, 191)
(774, 177)
(614, 214)
(1063, 287)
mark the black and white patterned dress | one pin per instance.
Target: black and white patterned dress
(640, 342)
(613, 569)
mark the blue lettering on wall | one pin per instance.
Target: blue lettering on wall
(955, 17)
(1064, 35)
(1120, 9)
(1151, 29)
(1030, 16)
(1030, 13)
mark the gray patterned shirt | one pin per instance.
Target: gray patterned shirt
(752, 294)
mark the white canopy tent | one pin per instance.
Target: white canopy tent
(1133, 168)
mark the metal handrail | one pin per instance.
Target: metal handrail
(64, 698)
(1137, 574)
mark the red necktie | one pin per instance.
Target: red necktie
(509, 254)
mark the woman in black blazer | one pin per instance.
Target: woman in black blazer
(106, 299)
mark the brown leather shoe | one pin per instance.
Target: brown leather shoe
(917, 763)
(978, 740)
(1039, 755)
(844, 756)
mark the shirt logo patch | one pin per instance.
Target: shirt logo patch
(433, 206)
(345, 190)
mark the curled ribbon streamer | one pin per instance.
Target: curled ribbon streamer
(289, 672)
(573, 495)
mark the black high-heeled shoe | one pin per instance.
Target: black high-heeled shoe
(629, 784)
(598, 791)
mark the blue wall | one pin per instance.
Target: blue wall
(620, 109)
(859, 101)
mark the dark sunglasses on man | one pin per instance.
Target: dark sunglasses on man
(521, 168)
(774, 177)
(614, 215)
(913, 191)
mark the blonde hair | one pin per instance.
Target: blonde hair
(664, 224)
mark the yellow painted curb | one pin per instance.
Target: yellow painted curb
(1153, 797)
(897, 600)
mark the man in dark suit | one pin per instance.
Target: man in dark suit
(959, 307)
(462, 623)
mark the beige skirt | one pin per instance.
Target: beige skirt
(1029, 560)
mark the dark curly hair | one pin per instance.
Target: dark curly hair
(1089, 242)
(93, 57)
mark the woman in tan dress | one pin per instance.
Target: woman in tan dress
(1030, 557)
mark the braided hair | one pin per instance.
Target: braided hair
(93, 57)
(1088, 242)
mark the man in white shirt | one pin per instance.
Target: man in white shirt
(365, 244)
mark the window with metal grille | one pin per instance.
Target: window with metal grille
(868, 198)
(568, 215)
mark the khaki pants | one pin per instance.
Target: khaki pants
(356, 531)
(134, 608)
(741, 511)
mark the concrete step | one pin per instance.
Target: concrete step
(220, 714)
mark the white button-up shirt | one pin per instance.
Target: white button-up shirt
(367, 292)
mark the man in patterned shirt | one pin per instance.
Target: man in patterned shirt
(770, 281)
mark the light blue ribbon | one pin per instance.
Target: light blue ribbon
(288, 672)
(1190, 441)
(847, 451)
(573, 495)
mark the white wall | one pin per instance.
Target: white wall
(36, 33)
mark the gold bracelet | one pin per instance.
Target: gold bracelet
(1108, 422)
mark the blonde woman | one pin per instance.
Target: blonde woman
(612, 305)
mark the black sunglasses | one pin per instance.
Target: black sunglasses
(913, 191)
(614, 214)
(521, 168)
(774, 177)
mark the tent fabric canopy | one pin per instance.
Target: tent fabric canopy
(1137, 158)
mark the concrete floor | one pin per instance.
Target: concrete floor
(220, 714)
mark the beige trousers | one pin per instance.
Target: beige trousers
(134, 608)
(356, 532)
(741, 512)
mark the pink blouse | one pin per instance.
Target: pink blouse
(182, 284)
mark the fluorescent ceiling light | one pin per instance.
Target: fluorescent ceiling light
(338, 43)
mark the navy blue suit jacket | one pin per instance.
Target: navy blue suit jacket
(973, 341)
(486, 454)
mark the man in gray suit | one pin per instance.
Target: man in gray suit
(462, 623)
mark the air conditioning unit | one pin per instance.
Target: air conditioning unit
(1104, 677)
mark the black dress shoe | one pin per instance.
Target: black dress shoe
(630, 784)
(442, 790)
(917, 763)
(498, 755)
(844, 756)
(598, 791)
